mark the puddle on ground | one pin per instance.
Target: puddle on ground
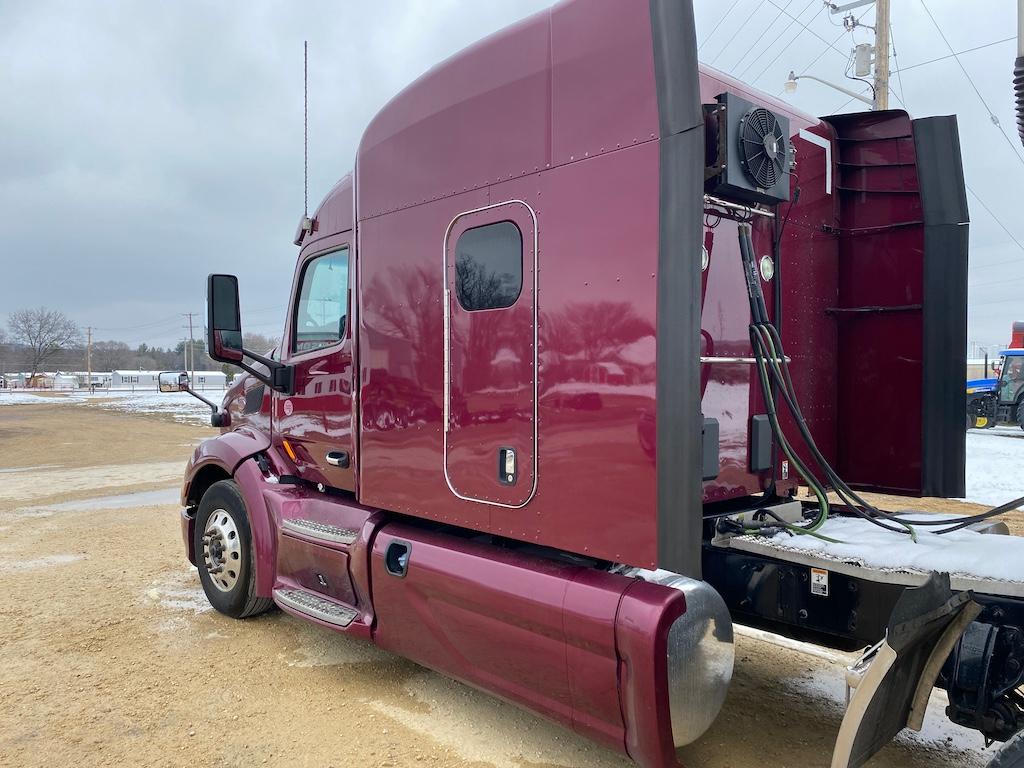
(161, 497)
(12, 470)
(39, 562)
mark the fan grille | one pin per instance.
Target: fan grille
(762, 148)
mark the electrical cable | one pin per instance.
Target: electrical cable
(991, 114)
(715, 28)
(899, 75)
(761, 36)
(784, 48)
(728, 42)
(831, 45)
(953, 55)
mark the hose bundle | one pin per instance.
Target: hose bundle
(773, 369)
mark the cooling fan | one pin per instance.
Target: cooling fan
(762, 148)
(747, 153)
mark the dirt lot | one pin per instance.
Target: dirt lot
(110, 655)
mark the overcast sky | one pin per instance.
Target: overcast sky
(143, 145)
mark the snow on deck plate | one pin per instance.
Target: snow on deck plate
(986, 563)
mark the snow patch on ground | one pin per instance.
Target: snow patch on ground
(13, 470)
(181, 593)
(48, 561)
(10, 397)
(159, 497)
(995, 465)
(322, 649)
(827, 684)
(179, 405)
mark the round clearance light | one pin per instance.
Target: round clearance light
(767, 268)
(705, 258)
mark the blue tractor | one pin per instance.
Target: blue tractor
(998, 401)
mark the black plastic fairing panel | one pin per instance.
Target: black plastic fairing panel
(681, 190)
(944, 207)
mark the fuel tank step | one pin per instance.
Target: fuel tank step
(316, 607)
(317, 530)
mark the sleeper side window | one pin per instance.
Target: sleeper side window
(320, 312)
(489, 266)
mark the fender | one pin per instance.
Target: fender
(225, 456)
(225, 452)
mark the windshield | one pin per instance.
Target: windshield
(1011, 380)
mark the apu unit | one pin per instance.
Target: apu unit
(747, 152)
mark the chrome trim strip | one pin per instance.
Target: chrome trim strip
(747, 360)
(447, 356)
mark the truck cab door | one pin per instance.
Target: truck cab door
(490, 405)
(314, 424)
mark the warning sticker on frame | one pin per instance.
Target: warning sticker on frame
(819, 582)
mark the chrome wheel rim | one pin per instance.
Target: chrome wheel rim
(222, 550)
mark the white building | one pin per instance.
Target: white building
(64, 381)
(133, 380)
(146, 380)
(100, 379)
(210, 380)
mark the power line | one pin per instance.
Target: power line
(784, 48)
(899, 76)
(728, 42)
(953, 55)
(991, 114)
(818, 57)
(715, 28)
(778, 37)
(761, 36)
(136, 326)
(831, 45)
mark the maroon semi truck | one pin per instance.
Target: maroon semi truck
(519, 426)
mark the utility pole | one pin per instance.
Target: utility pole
(865, 63)
(190, 358)
(88, 359)
(881, 54)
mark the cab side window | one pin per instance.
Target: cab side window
(320, 312)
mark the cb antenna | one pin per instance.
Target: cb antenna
(307, 223)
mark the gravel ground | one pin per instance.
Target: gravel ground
(110, 655)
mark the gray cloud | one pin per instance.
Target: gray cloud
(144, 145)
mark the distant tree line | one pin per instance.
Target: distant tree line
(42, 339)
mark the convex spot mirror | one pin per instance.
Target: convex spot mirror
(173, 381)
(224, 321)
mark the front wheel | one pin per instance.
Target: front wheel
(1020, 414)
(224, 552)
(1010, 755)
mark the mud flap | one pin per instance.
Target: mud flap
(899, 673)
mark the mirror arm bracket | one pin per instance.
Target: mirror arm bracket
(281, 378)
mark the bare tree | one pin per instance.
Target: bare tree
(45, 332)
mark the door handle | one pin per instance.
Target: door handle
(337, 459)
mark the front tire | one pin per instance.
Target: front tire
(224, 552)
(1020, 414)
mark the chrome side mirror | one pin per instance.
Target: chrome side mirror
(173, 381)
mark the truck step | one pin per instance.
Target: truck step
(316, 607)
(317, 530)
